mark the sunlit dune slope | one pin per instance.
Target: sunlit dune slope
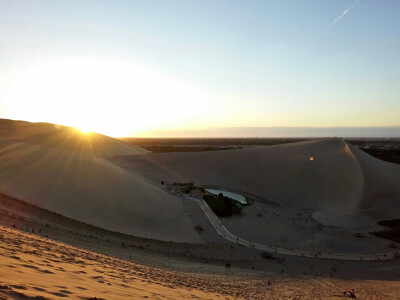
(381, 193)
(89, 188)
(65, 138)
(337, 181)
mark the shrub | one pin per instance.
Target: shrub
(199, 229)
(267, 255)
(223, 206)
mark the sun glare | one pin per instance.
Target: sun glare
(84, 131)
(109, 96)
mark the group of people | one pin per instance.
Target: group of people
(350, 294)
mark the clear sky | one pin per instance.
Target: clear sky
(133, 67)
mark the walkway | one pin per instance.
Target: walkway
(221, 229)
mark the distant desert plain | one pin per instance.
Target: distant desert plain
(87, 216)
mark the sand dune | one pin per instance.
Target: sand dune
(381, 192)
(34, 267)
(74, 182)
(66, 138)
(53, 168)
(341, 184)
(113, 185)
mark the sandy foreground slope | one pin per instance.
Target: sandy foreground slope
(47, 254)
(33, 266)
(59, 169)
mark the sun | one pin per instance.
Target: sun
(85, 127)
(102, 95)
(85, 131)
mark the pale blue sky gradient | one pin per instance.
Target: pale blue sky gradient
(257, 63)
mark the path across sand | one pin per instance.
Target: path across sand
(221, 230)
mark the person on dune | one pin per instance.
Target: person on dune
(350, 294)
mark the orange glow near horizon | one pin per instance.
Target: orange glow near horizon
(120, 98)
(108, 96)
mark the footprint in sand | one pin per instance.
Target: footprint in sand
(14, 257)
(19, 287)
(58, 294)
(4, 287)
(30, 266)
(39, 289)
(46, 271)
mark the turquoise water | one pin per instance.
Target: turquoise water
(231, 195)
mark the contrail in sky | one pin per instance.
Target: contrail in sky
(344, 13)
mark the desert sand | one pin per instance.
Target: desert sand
(321, 195)
(318, 204)
(32, 266)
(337, 183)
(65, 138)
(340, 180)
(47, 255)
(39, 164)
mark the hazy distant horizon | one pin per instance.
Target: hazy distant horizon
(278, 132)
